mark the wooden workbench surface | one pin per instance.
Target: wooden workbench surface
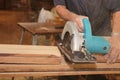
(58, 70)
(43, 28)
(33, 63)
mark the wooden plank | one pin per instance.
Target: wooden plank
(59, 67)
(28, 65)
(29, 50)
(42, 28)
(61, 73)
(29, 54)
(47, 24)
(30, 60)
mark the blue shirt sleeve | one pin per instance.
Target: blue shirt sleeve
(59, 2)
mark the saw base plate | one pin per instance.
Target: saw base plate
(76, 58)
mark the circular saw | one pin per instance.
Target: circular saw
(78, 46)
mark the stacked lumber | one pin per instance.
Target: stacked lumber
(26, 54)
(8, 70)
(24, 60)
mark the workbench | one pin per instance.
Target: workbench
(29, 60)
(8, 70)
(48, 28)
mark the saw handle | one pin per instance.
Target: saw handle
(94, 44)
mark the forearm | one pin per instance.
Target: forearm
(65, 14)
(114, 52)
(116, 22)
(68, 15)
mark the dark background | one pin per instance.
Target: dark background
(14, 11)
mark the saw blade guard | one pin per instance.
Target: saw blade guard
(94, 44)
(77, 37)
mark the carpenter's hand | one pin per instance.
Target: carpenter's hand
(78, 21)
(114, 53)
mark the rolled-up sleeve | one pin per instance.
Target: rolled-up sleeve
(113, 5)
(59, 2)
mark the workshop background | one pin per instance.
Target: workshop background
(14, 11)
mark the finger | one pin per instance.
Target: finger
(114, 60)
(78, 26)
(110, 58)
(113, 57)
(79, 29)
(81, 24)
(106, 56)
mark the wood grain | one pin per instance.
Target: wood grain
(42, 28)
(59, 67)
(56, 73)
(29, 54)
(29, 50)
(29, 60)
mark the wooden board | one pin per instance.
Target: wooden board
(64, 68)
(42, 28)
(56, 73)
(29, 50)
(28, 60)
(58, 70)
(29, 54)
